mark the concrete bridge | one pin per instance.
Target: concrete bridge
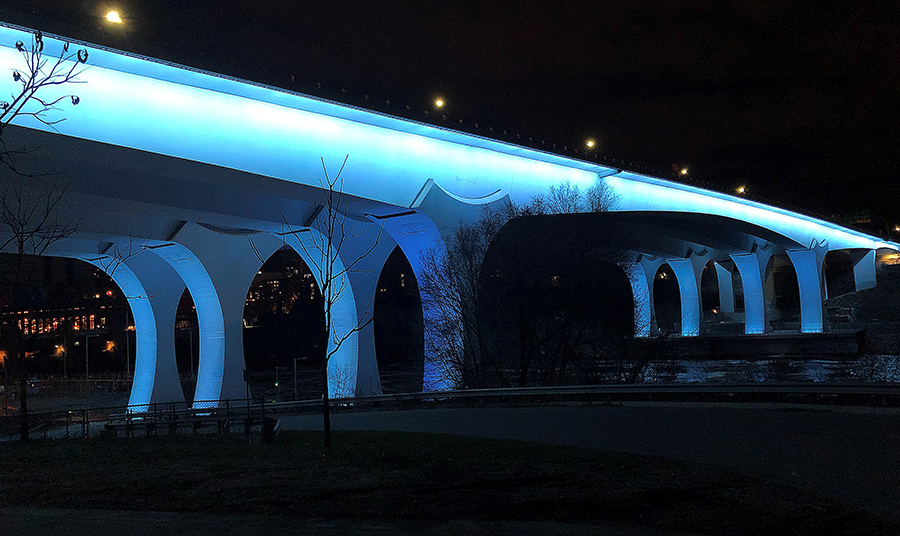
(209, 174)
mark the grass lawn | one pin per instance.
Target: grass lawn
(413, 476)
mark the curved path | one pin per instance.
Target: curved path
(854, 457)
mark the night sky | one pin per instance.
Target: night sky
(799, 101)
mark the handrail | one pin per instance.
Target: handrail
(209, 408)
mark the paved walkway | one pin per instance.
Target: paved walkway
(60, 522)
(854, 457)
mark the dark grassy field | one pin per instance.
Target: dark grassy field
(406, 476)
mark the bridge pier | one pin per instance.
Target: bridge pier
(751, 267)
(650, 264)
(643, 299)
(153, 290)
(808, 266)
(365, 253)
(685, 274)
(215, 267)
(726, 288)
(864, 269)
(418, 237)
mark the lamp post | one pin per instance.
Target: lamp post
(278, 385)
(191, 348)
(61, 350)
(87, 353)
(127, 346)
(190, 330)
(296, 394)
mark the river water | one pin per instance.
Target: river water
(878, 368)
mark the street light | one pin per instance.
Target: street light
(296, 394)
(61, 350)
(439, 102)
(277, 384)
(86, 353)
(190, 330)
(590, 143)
(113, 17)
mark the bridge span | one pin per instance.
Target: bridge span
(211, 174)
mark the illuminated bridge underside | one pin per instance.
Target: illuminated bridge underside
(210, 171)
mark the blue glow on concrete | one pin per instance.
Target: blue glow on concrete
(343, 366)
(748, 265)
(638, 192)
(640, 292)
(166, 110)
(690, 296)
(808, 266)
(726, 288)
(143, 104)
(211, 366)
(864, 272)
(145, 335)
(153, 106)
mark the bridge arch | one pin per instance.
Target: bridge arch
(667, 300)
(152, 290)
(284, 326)
(398, 326)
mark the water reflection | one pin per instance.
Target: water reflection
(878, 368)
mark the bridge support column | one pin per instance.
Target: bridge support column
(421, 242)
(153, 290)
(690, 296)
(726, 289)
(218, 269)
(643, 300)
(864, 270)
(688, 272)
(808, 266)
(352, 369)
(367, 253)
(357, 262)
(650, 265)
(751, 267)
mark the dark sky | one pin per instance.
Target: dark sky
(797, 100)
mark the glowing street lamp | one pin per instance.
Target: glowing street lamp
(113, 17)
(438, 102)
(590, 143)
(684, 171)
(740, 189)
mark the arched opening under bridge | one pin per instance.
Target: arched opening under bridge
(398, 327)
(284, 323)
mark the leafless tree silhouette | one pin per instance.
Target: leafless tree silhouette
(30, 217)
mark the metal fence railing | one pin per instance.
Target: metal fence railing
(214, 417)
(258, 418)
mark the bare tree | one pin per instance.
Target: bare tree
(30, 218)
(451, 293)
(476, 353)
(327, 247)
